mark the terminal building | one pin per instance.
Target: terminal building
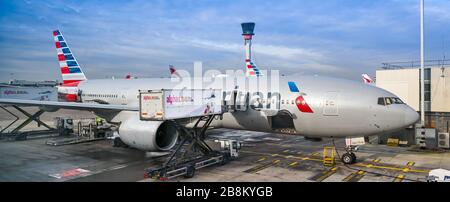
(403, 79)
(29, 90)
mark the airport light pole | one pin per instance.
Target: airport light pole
(422, 65)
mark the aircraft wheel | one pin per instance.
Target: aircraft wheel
(118, 142)
(190, 172)
(225, 159)
(347, 158)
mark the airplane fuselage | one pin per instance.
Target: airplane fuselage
(324, 107)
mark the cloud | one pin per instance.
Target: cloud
(334, 37)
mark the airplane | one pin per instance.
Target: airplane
(312, 106)
(173, 71)
(366, 79)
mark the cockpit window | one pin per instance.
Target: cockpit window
(389, 100)
(397, 100)
(381, 101)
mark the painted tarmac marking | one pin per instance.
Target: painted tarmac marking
(399, 178)
(262, 159)
(385, 167)
(293, 164)
(354, 177)
(324, 175)
(262, 166)
(390, 168)
(408, 166)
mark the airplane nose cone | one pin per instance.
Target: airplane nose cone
(411, 116)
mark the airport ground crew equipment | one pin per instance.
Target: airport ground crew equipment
(64, 126)
(438, 175)
(15, 132)
(328, 156)
(393, 142)
(193, 153)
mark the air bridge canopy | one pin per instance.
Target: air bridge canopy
(169, 104)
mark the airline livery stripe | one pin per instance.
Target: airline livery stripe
(72, 63)
(58, 44)
(69, 57)
(60, 38)
(61, 57)
(75, 70)
(71, 81)
(65, 50)
(56, 33)
(293, 87)
(302, 105)
(74, 76)
(63, 64)
(65, 70)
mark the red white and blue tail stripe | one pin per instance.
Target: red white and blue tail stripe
(70, 69)
(252, 70)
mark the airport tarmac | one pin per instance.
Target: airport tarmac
(264, 157)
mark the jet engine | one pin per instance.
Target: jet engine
(148, 135)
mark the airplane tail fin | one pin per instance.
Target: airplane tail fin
(252, 70)
(366, 78)
(70, 69)
(173, 71)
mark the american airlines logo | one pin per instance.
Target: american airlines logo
(15, 92)
(178, 99)
(149, 97)
(300, 100)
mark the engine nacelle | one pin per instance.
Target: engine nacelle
(148, 135)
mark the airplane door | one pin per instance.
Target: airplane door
(230, 101)
(242, 99)
(123, 97)
(331, 104)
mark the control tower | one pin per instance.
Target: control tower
(247, 32)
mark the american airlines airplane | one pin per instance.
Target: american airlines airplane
(309, 106)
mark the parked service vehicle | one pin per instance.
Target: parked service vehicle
(438, 175)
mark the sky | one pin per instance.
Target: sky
(339, 38)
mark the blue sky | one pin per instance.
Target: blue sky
(339, 38)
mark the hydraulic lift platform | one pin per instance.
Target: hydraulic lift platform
(192, 152)
(15, 133)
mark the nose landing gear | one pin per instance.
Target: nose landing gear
(349, 157)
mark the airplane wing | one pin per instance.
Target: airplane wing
(68, 105)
